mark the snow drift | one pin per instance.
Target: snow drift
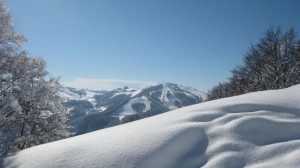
(260, 129)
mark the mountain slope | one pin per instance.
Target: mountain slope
(124, 105)
(166, 96)
(254, 130)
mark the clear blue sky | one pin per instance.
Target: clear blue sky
(190, 42)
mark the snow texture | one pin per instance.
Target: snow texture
(194, 91)
(66, 94)
(254, 130)
(128, 109)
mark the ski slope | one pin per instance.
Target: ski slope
(259, 129)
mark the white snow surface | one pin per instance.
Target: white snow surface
(168, 100)
(102, 108)
(66, 94)
(194, 91)
(128, 110)
(136, 92)
(89, 97)
(169, 90)
(259, 129)
(128, 91)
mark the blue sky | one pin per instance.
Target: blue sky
(139, 42)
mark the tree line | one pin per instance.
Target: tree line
(273, 63)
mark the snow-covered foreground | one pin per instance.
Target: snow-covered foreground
(254, 130)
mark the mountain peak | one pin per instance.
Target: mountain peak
(125, 104)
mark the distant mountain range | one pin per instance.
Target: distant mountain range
(91, 110)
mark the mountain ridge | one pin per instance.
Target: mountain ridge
(92, 110)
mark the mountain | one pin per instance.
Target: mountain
(93, 110)
(253, 130)
(69, 93)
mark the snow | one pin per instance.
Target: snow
(128, 110)
(14, 104)
(168, 100)
(254, 130)
(89, 93)
(66, 94)
(102, 108)
(168, 94)
(127, 91)
(136, 92)
(194, 91)
(90, 97)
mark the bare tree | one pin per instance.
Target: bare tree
(31, 112)
(272, 63)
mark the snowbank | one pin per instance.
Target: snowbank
(254, 130)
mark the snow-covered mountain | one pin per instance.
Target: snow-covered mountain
(93, 110)
(69, 93)
(253, 130)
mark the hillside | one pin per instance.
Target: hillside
(94, 110)
(254, 130)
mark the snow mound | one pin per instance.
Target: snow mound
(254, 130)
